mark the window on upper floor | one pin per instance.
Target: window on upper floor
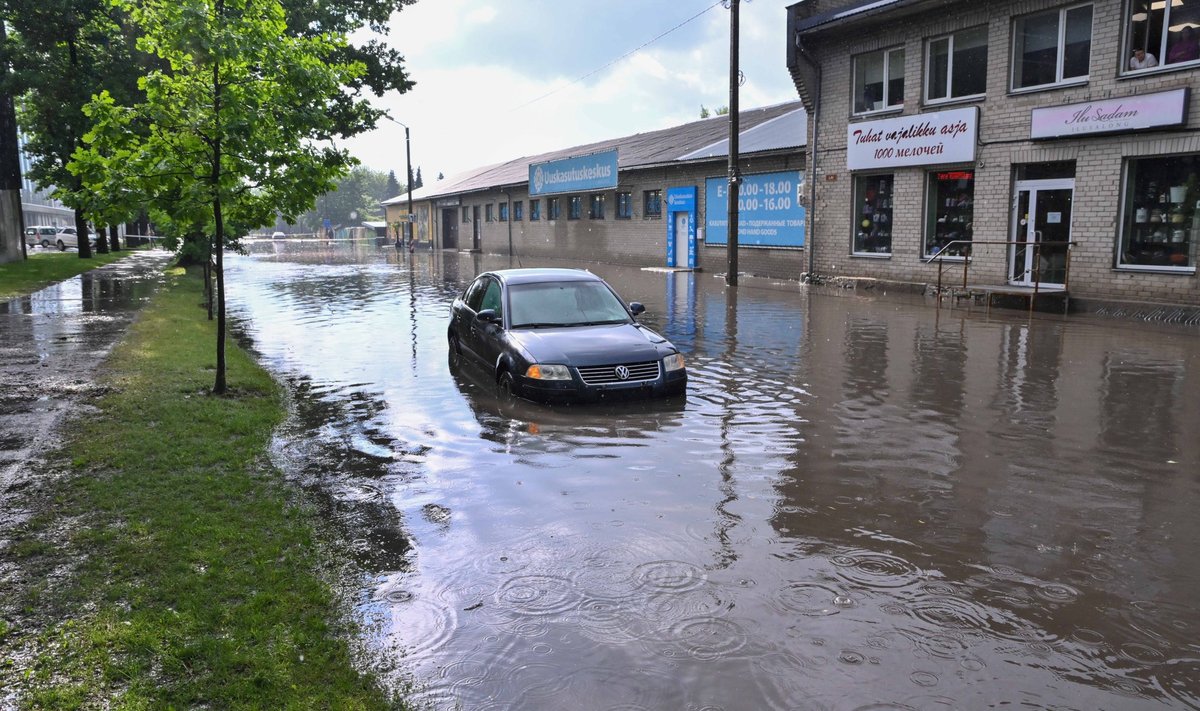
(879, 81)
(1162, 33)
(956, 65)
(1052, 47)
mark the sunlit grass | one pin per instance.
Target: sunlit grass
(195, 582)
(45, 268)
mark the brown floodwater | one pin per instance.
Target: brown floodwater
(863, 503)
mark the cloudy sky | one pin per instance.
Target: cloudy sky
(500, 79)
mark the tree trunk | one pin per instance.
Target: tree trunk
(81, 235)
(101, 240)
(114, 238)
(219, 386)
(12, 225)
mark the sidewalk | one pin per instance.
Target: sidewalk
(51, 343)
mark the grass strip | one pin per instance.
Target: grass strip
(45, 268)
(195, 580)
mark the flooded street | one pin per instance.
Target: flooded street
(862, 504)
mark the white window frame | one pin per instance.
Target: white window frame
(1059, 81)
(950, 68)
(1160, 55)
(887, 64)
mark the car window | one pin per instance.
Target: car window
(491, 298)
(474, 294)
(567, 303)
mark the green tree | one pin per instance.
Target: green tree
(393, 185)
(233, 132)
(418, 181)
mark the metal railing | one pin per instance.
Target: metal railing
(964, 249)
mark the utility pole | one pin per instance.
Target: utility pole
(735, 178)
(12, 237)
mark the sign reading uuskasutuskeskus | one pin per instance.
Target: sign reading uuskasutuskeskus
(594, 171)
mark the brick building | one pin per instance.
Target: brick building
(657, 211)
(1004, 130)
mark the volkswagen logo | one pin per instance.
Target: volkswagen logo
(622, 372)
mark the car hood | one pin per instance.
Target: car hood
(593, 345)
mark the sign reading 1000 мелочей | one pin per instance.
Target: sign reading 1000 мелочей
(770, 213)
(917, 139)
(577, 174)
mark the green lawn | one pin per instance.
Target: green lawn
(45, 268)
(195, 581)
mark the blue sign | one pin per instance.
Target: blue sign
(770, 210)
(327, 223)
(681, 214)
(595, 171)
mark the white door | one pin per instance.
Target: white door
(1041, 231)
(681, 239)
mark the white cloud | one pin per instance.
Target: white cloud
(478, 101)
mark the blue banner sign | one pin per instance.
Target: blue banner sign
(595, 171)
(770, 210)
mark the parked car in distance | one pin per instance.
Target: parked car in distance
(278, 235)
(560, 335)
(67, 237)
(44, 235)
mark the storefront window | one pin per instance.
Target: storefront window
(1162, 213)
(873, 214)
(1162, 33)
(950, 215)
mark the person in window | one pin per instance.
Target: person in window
(1185, 49)
(1142, 59)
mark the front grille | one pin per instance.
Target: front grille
(607, 374)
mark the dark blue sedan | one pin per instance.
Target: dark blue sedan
(560, 335)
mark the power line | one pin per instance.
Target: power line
(635, 50)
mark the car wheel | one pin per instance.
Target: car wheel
(62, 247)
(46, 243)
(504, 388)
(454, 356)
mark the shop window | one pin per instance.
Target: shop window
(957, 65)
(518, 211)
(504, 212)
(873, 214)
(596, 206)
(950, 214)
(652, 204)
(466, 215)
(574, 207)
(1162, 33)
(1162, 213)
(624, 205)
(879, 81)
(1052, 47)
(553, 208)
(535, 210)
(487, 212)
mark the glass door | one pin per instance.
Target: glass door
(1041, 231)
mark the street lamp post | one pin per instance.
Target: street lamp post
(735, 178)
(408, 181)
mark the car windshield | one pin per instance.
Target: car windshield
(564, 303)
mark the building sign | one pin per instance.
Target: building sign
(922, 139)
(595, 171)
(681, 201)
(1132, 113)
(449, 202)
(770, 210)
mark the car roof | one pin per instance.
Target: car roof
(543, 274)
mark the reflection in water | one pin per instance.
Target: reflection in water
(859, 505)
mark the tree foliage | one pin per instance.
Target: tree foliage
(356, 197)
(233, 128)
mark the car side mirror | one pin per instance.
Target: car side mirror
(486, 316)
(636, 308)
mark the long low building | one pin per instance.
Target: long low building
(652, 199)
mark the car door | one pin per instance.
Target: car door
(489, 335)
(463, 324)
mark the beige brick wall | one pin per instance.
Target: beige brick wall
(1004, 142)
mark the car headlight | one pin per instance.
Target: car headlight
(548, 372)
(673, 362)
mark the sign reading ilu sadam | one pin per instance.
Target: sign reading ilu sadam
(594, 171)
(918, 139)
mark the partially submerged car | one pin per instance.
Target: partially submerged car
(560, 335)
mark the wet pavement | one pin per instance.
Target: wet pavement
(862, 504)
(51, 343)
